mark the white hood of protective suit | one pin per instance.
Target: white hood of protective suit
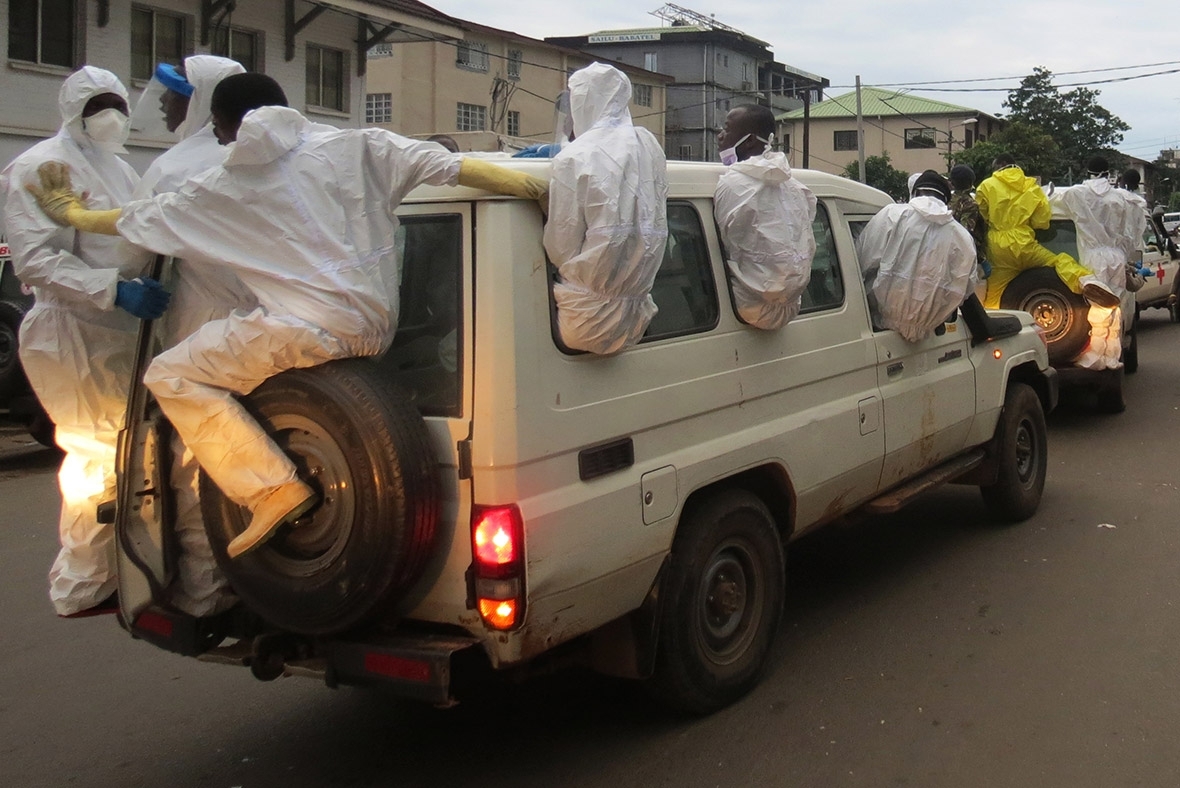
(1109, 223)
(765, 217)
(304, 218)
(608, 222)
(79, 270)
(203, 72)
(919, 265)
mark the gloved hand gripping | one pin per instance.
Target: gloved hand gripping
(57, 198)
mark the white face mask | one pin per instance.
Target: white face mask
(108, 129)
(729, 155)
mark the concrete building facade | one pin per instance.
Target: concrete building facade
(715, 68)
(315, 51)
(494, 89)
(916, 132)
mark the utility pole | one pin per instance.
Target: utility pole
(860, 133)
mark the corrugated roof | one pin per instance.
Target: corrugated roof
(876, 102)
(668, 29)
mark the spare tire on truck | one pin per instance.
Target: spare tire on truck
(12, 376)
(359, 442)
(1058, 310)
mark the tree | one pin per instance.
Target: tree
(1035, 151)
(1080, 126)
(880, 174)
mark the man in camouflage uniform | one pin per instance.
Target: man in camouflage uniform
(966, 212)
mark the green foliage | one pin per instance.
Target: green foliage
(1075, 120)
(1034, 150)
(1174, 202)
(880, 174)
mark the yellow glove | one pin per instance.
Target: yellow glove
(57, 198)
(479, 174)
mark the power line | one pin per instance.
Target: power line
(1020, 76)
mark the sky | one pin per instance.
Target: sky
(920, 41)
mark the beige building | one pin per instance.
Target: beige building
(916, 132)
(493, 90)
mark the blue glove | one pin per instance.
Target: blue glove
(145, 298)
(1146, 272)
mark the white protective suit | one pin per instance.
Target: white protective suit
(918, 264)
(608, 221)
(765, 218)
(202, 291)
(77, 348)
(305, 219)
(1109, 227)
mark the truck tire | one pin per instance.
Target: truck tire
(1131, 354)
(12, 377)
(361, 444)
(1021, 452)
(722, 592)
(1059, 311)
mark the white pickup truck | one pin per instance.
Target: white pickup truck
(491, 498)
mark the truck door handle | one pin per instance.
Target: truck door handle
(894, 368)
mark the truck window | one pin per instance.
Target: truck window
(425, 358)
(826, 288)
(684, 289)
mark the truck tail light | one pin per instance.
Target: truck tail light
(497, 550)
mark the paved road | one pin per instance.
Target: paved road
(925, 649)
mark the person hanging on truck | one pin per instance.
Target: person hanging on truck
(305, 219)
(918, 262)
(77, 343)
(1110, 227)
(1015, 207)
(966, 212)
(764, 215)
(178, 100)
(608, 223)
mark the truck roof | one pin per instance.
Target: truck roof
(685, 179)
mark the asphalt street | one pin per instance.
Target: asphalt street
(929, 648)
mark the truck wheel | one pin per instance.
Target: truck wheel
(366, 450)
(1059, 311)
(12, 377)
(1110, 396)
(1174, 311)
(722, 600)
(1021, 448)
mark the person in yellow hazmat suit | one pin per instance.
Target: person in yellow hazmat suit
(1014, 207)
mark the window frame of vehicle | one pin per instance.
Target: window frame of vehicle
(826, 264)
(27, 36)
(465, 115)
(472, 56)
(378, 108)
(222, 43)
(920, 138)
(314, 91)
(143, 63)
(842, 140)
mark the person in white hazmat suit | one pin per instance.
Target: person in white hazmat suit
(306, 220)
(765, 217)
(917, 261)
(180, 103)
(1109, 229)
(608, 221)
(77, 343)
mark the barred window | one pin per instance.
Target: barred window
(515, 59)
(472, 117)
(472, 55)
(919, 138)
(844, 140)
(643, 95)
(513, 123)
(379, 108)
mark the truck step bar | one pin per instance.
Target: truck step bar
(898, 497)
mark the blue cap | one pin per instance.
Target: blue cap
(171, 78)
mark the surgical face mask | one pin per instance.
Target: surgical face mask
(729, 155)
(108, 129)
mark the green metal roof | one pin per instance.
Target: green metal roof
(875, 102)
